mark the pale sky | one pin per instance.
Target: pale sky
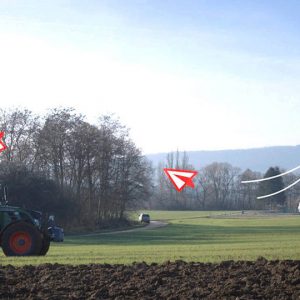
(187, 75)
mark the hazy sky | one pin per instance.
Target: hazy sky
(192, 75)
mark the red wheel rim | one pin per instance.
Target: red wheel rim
(20, 242)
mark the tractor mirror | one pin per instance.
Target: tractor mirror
(51, 218)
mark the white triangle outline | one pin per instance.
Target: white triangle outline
(179, 182)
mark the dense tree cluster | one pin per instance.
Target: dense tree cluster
(218, 187)
(86, 174)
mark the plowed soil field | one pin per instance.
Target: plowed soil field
(260, 279)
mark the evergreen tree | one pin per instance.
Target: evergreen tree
(272, 186)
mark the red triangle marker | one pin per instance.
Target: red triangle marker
(2, 145)
(181, 178)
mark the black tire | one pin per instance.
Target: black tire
(45, 244)
(21, 239)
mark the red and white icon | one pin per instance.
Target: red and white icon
(2, 145)
(181, 178)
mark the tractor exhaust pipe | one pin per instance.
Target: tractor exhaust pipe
(3, 200)
(5, 195)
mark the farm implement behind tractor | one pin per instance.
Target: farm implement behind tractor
(25, 232)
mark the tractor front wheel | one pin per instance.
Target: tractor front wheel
(21, 239)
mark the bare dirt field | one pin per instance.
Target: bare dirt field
(260, 279)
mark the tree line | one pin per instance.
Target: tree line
(86, 174)
(218, 187)
(91, 174)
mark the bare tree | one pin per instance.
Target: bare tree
(165, 192)
(53, 142)
(248, 192)
(21, 128)
(222, 177)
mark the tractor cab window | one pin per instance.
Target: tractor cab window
(13, 215)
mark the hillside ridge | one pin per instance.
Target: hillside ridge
(256, 159)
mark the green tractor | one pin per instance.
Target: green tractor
(23, 232)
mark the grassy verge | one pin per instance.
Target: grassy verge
(190, 236)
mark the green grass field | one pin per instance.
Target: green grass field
(190, 236)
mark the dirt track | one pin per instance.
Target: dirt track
(151, 225)
(178, 280)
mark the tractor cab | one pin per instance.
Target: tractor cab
(11, 214)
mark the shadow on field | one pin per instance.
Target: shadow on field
(175, 234)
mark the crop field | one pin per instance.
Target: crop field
(189, 236)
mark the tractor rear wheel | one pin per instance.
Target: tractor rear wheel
(45, 244)
(21, 239)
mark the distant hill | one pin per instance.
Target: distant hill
(256, 159)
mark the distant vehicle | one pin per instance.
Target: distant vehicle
(144, 218)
